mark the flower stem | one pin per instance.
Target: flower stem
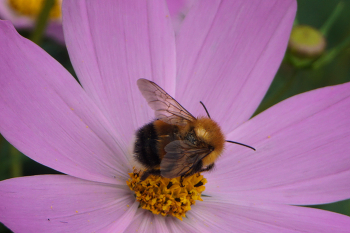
(330, 21)
(331, 54)
(41, 21)
(16, 162)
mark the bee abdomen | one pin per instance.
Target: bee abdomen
(146, 146)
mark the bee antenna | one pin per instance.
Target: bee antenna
(242, 144)
(205, 108)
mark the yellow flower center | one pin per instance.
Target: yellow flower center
(167, 196)
(32, 8)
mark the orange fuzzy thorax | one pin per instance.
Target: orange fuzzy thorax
(209, 132)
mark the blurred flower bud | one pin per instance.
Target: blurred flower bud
(306, 41)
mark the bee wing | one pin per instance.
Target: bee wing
(180, 159)
(166, 107)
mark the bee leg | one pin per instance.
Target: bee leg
(150, 172)
(181, 180)
(144, 176)
(208, 168)
(196, 168)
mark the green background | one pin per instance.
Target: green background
(288, 82)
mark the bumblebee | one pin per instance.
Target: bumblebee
(176, 144)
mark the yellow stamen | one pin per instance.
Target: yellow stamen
(167, 196)
(32, 8)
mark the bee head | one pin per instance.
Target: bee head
(209, 132)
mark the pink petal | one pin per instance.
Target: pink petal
(227, 55)
(55, 31)
(176, 6)
(302, 152)
(63, 203)
(212, 216)
(112, 45)
(145, 221)
(178, 10)
(46, 114)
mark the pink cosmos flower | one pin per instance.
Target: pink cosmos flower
(225, 53)
(25, 21)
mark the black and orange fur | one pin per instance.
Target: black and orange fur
(176, 144)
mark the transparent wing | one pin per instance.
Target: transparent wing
(181, 158)
(166, 107)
